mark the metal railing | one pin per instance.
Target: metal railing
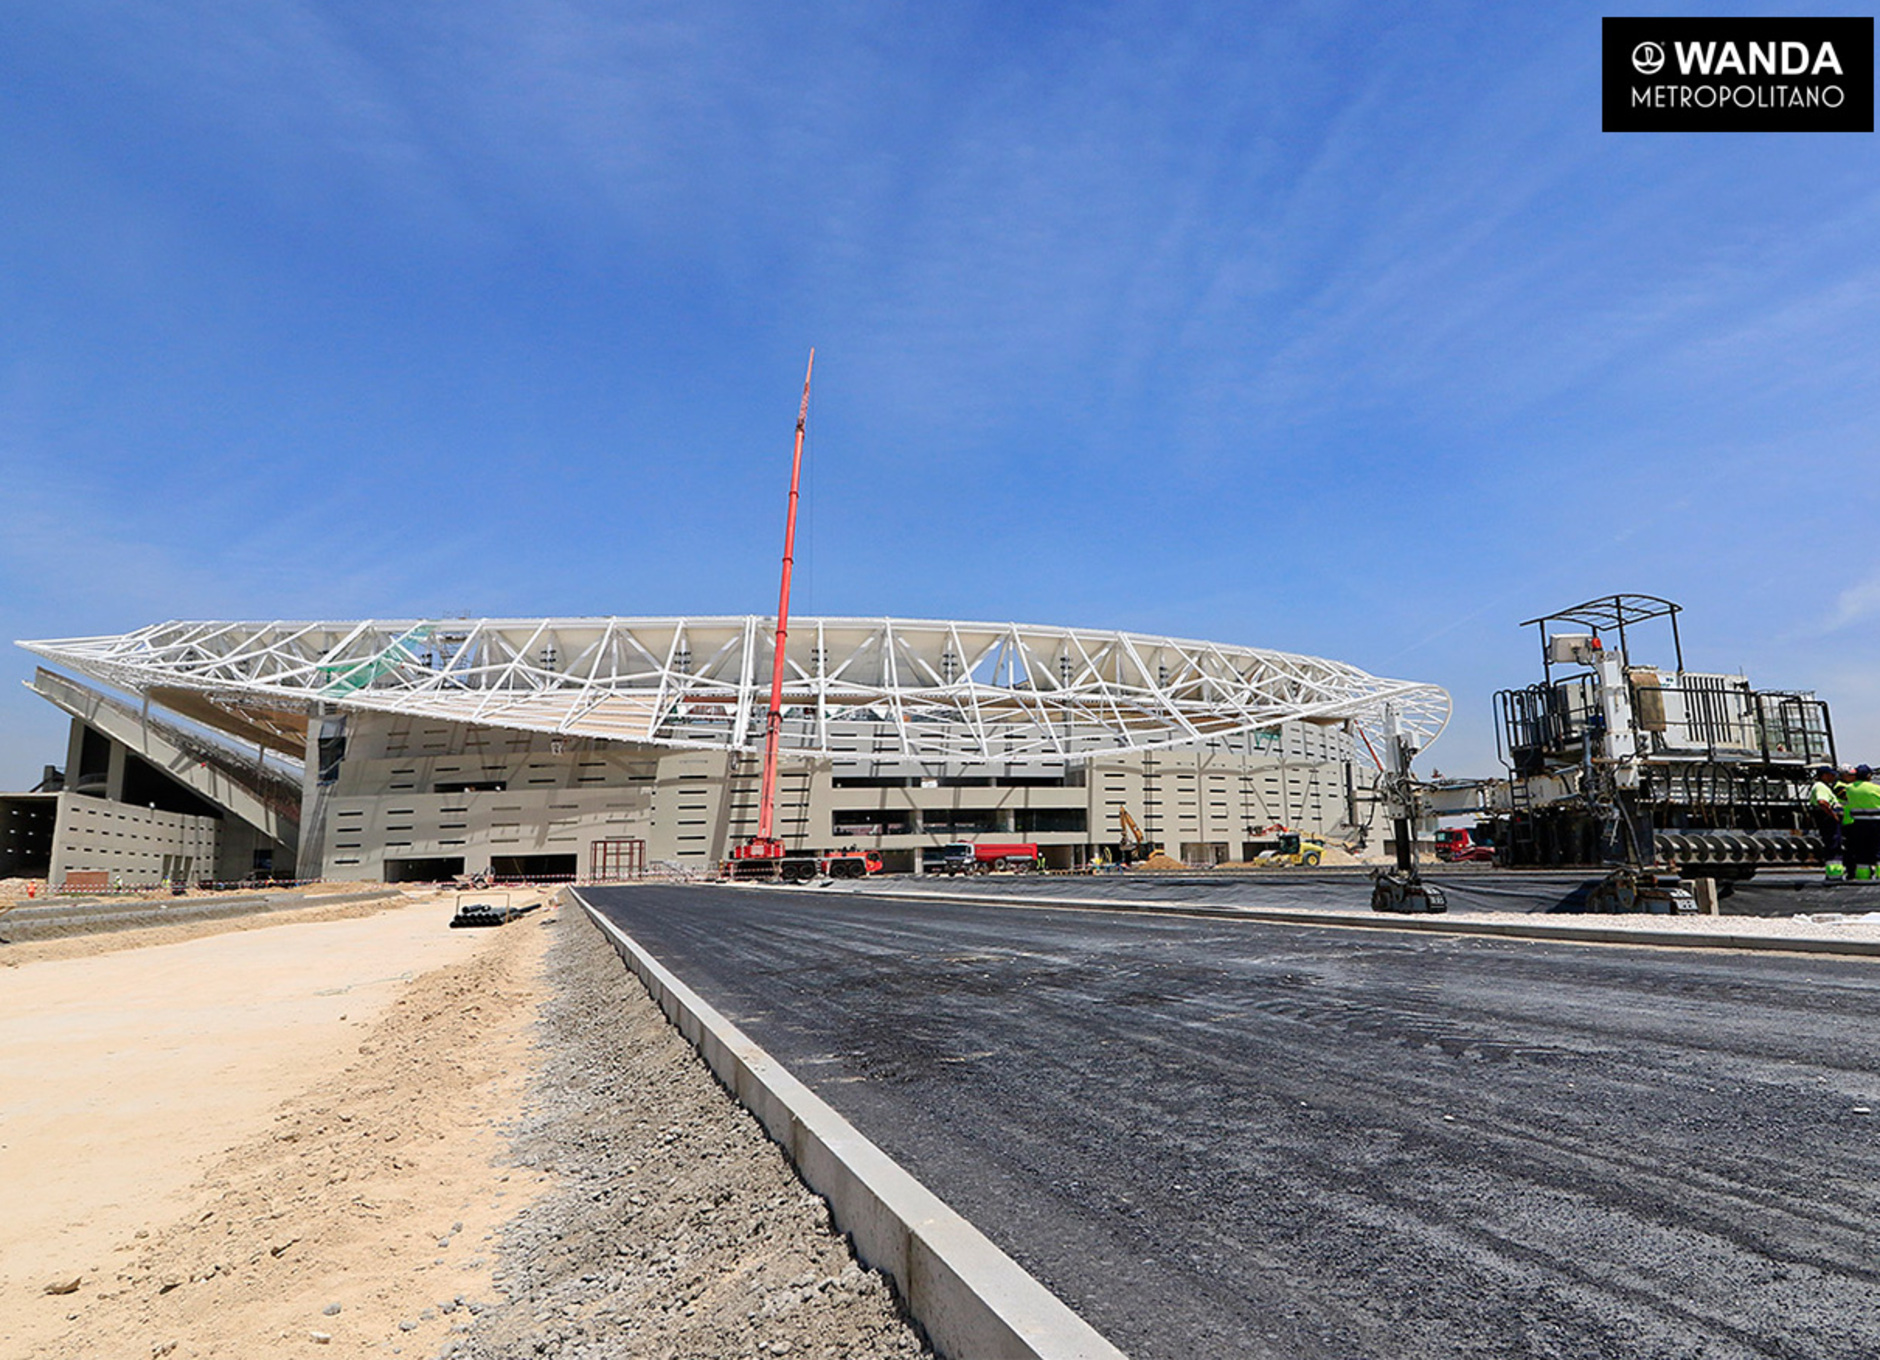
(1546, 726)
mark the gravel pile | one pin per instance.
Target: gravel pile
(673, 1226)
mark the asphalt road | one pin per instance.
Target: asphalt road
(1469, 887)
(1224, 1138)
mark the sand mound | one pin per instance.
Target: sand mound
(1160, 863)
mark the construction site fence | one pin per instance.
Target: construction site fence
(87, 888)
(653, 873)
(659, 871)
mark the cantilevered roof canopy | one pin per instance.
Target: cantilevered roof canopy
(945, 691)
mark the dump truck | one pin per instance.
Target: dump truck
(983, 857)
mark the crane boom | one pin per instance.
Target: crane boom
(766, 845)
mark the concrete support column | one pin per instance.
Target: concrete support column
(309, 859)
(725, 770)
(114, 773)
(55, 871)
(74, 752)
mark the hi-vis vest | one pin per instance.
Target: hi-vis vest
(1863, 803)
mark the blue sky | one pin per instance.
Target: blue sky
(1340, 329)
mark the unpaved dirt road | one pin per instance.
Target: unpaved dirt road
(218, 1138)
(357, 1132)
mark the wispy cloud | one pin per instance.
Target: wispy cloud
(1332, 326)
(1855, 604)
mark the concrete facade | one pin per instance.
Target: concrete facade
(146, 800)
(412, 798)
(138, 847)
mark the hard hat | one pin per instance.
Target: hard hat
(1863, 772)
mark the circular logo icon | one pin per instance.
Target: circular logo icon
(1648, 58)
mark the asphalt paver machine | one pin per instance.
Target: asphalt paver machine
(1659, 774)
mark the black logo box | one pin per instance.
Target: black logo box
(1671, 99)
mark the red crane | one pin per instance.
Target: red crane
(766, 845)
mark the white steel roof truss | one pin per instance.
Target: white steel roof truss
(1154, 687)
(892, 672)
(821, 715)
(740, 723)
(266, 649)
(1039, 739)
(590, 691)
(975, 716)
(508, 674)
(1009, 689)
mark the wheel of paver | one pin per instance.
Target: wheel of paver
(1311, 858)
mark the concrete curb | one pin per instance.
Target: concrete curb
(973, 1300)
(1440, 925)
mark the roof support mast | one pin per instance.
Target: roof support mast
(767, 845)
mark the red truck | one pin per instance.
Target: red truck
(1457, 845)
(982, 857)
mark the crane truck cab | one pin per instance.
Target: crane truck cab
(802, 866)
(851, 863)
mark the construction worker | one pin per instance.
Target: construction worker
(1825, 805)
(1860, 820)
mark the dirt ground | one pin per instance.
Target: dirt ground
(220, 1139)
(353, 1131)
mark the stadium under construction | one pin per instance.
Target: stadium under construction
(582, 748)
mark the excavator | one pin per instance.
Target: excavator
(1134, 848)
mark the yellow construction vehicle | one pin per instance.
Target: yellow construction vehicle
(1288, 848)
(1134, 847)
